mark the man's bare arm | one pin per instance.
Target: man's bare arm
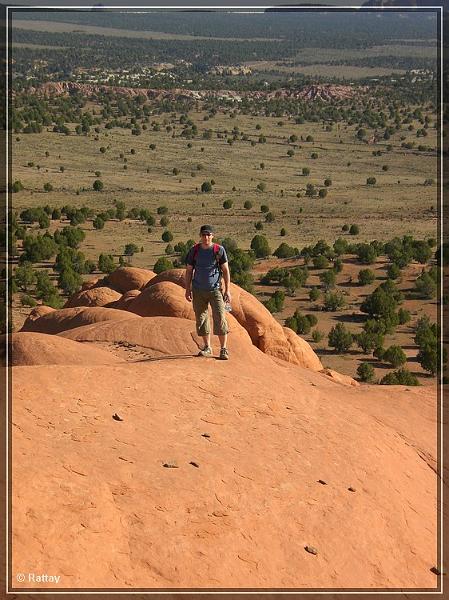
(227, 279)
(188, 282)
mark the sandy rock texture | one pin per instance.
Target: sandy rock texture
(162, 299)
(69, 318)
(43, 349)
(169, 337)
(128, 278)
(220, 474)
(97, 296)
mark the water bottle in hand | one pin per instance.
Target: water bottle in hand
(227, 305)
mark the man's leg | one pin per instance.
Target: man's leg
(200, 304)
(223, 340)
(220, 321)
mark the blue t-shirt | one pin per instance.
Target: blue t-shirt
(206, 272)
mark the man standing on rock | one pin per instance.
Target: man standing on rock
(205, 263)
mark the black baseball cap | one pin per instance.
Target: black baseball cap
(206, 229)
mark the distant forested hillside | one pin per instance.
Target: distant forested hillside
(336, 28)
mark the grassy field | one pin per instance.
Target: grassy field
(397, 204)
(55, 27)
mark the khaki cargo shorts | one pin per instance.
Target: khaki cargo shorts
(201, 300)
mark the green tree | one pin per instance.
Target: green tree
(393, 271)
(70, 258)
(426, 333)
(314, 294)
(340, 246)
(400, 377)
(403, 316)
(25, 276)
(310, 190)
(69, 236)
(333, 301)
(354, 230)
(44, 221)
(98, 223)
(429, 358)
(317, 336)
(48, 187)
(98, 185)
(167, 236)
(366, 276)
(365, 372)
(366, 253)
(17, 186)
(285, 251)
(327, 279)
(422, 252)
(227, 204)
(259, 244)
(69, 281)
(340, 338)
(276, 302)
(369, 341)
(130, 249)
(162, 264)
(395, 356)
(206, 187)
(38, 249)
(371, 181)
(320, 262)
(380, 304)
(106, 263)
(27, 300)
(305, 171)
(248, 205)
(44, 286)
(425, 286)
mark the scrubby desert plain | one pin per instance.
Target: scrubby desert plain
(398, 204)
(217, 494)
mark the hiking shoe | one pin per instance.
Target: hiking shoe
(206, 351)
(224, 355)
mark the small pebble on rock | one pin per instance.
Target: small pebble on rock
(206, 435)
(117, 417)
(194, 464)
(351, 489)
(170, 465)
(322, 482)
(311, 549)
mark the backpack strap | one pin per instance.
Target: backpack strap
(196, 249)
